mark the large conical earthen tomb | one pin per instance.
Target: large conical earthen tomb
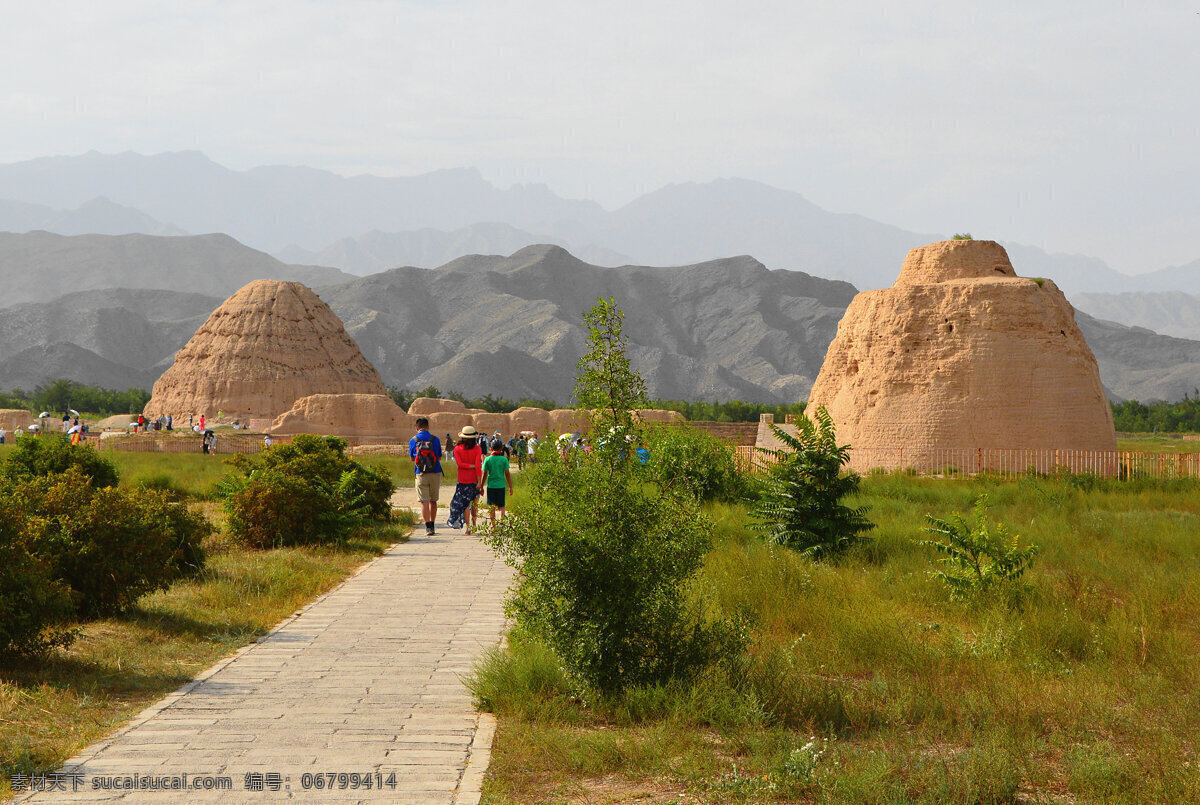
(961, 354)
(265, 347)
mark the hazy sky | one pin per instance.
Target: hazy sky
(1066, 124)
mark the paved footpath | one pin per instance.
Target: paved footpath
(366, 680)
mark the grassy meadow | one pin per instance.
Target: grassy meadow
(52, 707)
(1159, 443)
(865, 683)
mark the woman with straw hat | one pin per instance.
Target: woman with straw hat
(468, 457)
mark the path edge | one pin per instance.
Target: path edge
(96, 747)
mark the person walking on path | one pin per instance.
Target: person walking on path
(519, 448)
(425, 449)
(496, 477)
(468, 455)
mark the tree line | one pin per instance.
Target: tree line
(1130, 416)
(62, 395)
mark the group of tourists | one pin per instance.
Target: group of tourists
(521, 447)
(483, 469)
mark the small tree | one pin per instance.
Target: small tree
(604, 558)
(800, 502)
(979, 556)
(692, 460)
(605, 384)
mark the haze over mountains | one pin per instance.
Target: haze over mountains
(366, 223)
(41, 266)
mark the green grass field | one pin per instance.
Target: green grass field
(1152, 443)
(865, 683)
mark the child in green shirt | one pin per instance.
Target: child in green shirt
(495, 478)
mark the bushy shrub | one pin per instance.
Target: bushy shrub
(272, 509)
(161, 482)
(604, 562)
(694, 461)
(34, 457)
(800, 497)
(108, 545)
(303, 492)
(33, 604)
(978, 556)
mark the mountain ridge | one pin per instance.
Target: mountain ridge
(42, 266)
(513, 326)
(282, 209)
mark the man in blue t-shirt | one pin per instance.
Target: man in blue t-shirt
(425, 449)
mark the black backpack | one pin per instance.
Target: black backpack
(426, 458)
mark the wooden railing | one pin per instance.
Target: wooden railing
(227, 443)
(1004, 462)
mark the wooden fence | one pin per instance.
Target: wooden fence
(227, 443)
(1005, 462)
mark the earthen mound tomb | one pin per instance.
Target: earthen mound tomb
(265, 347)
(961, 353)
(356, 416)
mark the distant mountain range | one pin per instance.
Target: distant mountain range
(724, 329)
(1167, 312)
(40, 266)
(429, 248)
(510, 326)
(363, 224)
(99, 216)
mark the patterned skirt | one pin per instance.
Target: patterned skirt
(463, 495)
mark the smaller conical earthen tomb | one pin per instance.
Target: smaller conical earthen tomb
(962, 356)
(265, 347)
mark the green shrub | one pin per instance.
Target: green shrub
(161, 482)
(693, 461)
(271, 509)
(109, 545)
(979, 556)
(33, 457)
(307, 491)
(963, 236)
(603, 563)
(33, 604)
(800, 497)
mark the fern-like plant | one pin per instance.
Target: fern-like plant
(800, 502)
(978, 556)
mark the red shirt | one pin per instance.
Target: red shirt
(468, 461)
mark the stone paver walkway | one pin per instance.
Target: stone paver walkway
(365, 681)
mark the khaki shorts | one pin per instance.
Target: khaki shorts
(428, 486)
